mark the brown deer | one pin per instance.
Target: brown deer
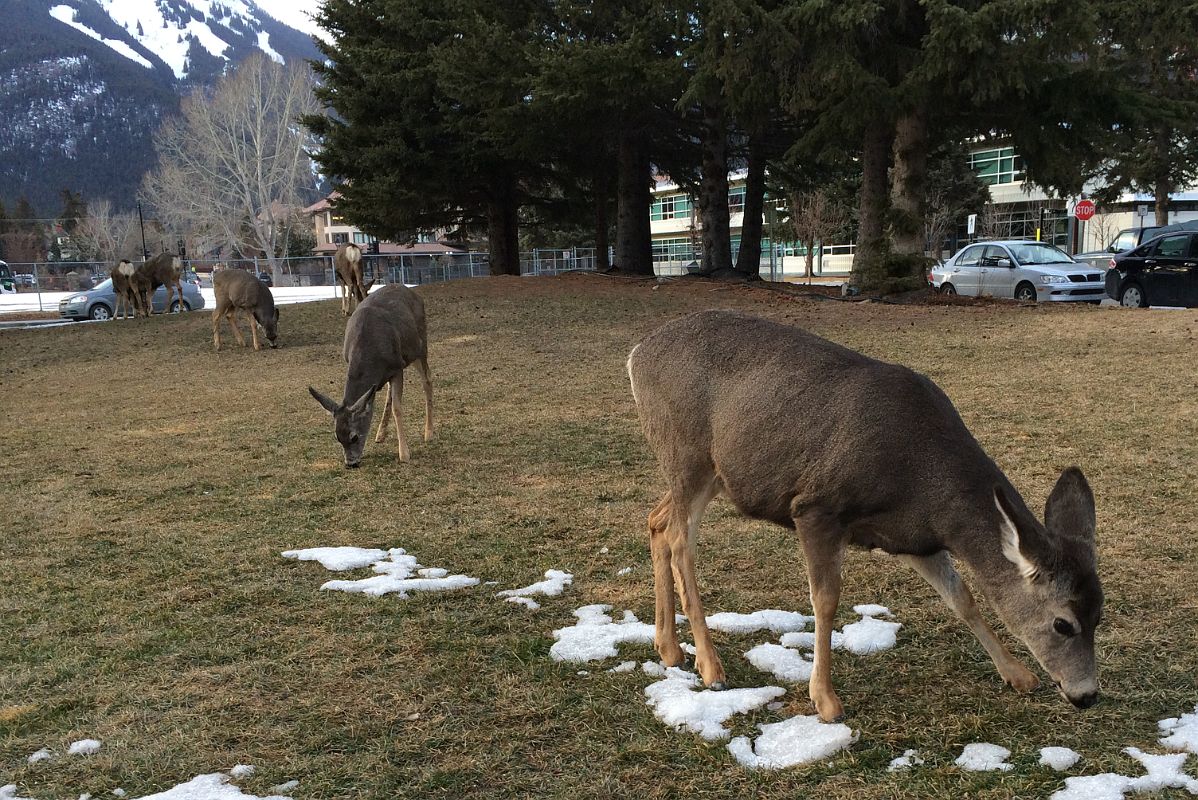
(123, 287)
(386, 333)
(237, 290)
(347, 263)
(164, 269)
(868, 454)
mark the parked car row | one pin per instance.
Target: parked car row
(100, 303)
(1160, 272)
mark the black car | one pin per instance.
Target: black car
(1161, 272)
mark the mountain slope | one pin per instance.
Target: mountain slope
(84, 83)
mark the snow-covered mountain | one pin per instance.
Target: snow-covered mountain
(83, 83)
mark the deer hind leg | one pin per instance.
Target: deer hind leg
(232, 315)
(681, 532)
(427, 379)
(665, 637)
(939, 572)
(823, 547)
(216, 315)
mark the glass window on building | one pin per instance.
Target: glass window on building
(676, 249)
(670, 206)
(997, 166)
(736, 200)
(340, 238)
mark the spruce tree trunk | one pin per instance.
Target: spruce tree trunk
(869, 260)
(503, 231)
(1162, 185)
(748, 260)
(634, 247)
(907, 182)
(809, 259)
(713, 194)
(602, 191)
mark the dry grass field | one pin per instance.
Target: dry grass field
(149, 485)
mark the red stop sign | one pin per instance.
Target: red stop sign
(1084, 210)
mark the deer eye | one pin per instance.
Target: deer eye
(1064, 627)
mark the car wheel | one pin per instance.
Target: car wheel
(101, 312)
(1025, 293)
(175, 306)
(1133, 296)
(947, 288)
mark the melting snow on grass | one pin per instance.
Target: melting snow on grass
(868, 635)
(798, 740)
(215, 786)
(84, 747)
(395, 570)
(1181, 732)
(908, 759)
(1059, 758)
(1162, 772)
(984, 757)
(40, 755)
(338, 559)
(554, 584)
(676, 702)
(771, 618)
(595, 635)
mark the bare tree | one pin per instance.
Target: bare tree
(816, 216)
(1102, 230)
(105, 234)
(235, 164)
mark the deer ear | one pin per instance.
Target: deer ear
(366, 288)
(328, 404)
(1009, 533)
(1069, 511)
(361, 402)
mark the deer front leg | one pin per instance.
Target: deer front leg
(665, 637)
(216, 315)
(254, 332)
(397, 412)
(382, 433)
(939, 572)
(824, 551)
(427, 379)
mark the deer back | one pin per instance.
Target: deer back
(385, 334)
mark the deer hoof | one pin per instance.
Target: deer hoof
(1022, 679)
(829, 707)
(718, 686)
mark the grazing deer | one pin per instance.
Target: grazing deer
(847, 450)
(347, 263)
(237, 290)
(385, 335)
(123, 287)
(164, 269)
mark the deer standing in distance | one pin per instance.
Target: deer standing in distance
(347, 264)
(386, 333)
(879, 460)
(123, 287)
(237, 290)
(164, 269)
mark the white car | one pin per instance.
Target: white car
(1019, 269)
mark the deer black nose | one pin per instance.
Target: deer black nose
(354, 465)
(1085, 701)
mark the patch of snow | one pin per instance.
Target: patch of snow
(119, 792)
(583, 672)
(676, 702)
(872, 610)
(284, 788)
(395, 578)
(554, 584)
(215, 786)
(1059, 758)
(653, 668)
(527, 602)
(870, 635)
(1164, 772)
(805, 640)
(432, 572)
(908, 759)
(241, 771)
(772, 619)
(296, 14)
(624, 571)
(1182, 732)
(338, 559)
(264, 46)
(798, 740)
(624, 666)
(595, 636)
(984, 757)
(9, 792)
(1107, 786)
(84, 747)
(687, 647)
(66, 15)
(782, 662)
(40, 755)
(603, 549)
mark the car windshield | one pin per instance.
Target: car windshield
(103, 286)
(1031, 253)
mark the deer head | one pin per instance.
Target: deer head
(1055, 602)
(270, 324)
(351, 424)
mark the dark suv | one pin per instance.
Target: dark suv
(1161, 272)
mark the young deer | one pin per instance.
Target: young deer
(847, 450)
(124, 289)
(237, 290)
(385, 335)
(164, 269)
(347, 263)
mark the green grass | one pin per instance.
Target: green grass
(150, 484)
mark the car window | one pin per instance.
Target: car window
(1032, 253)
(970, 257)
(992, 254)
(1126, 240)
(1172, 246)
